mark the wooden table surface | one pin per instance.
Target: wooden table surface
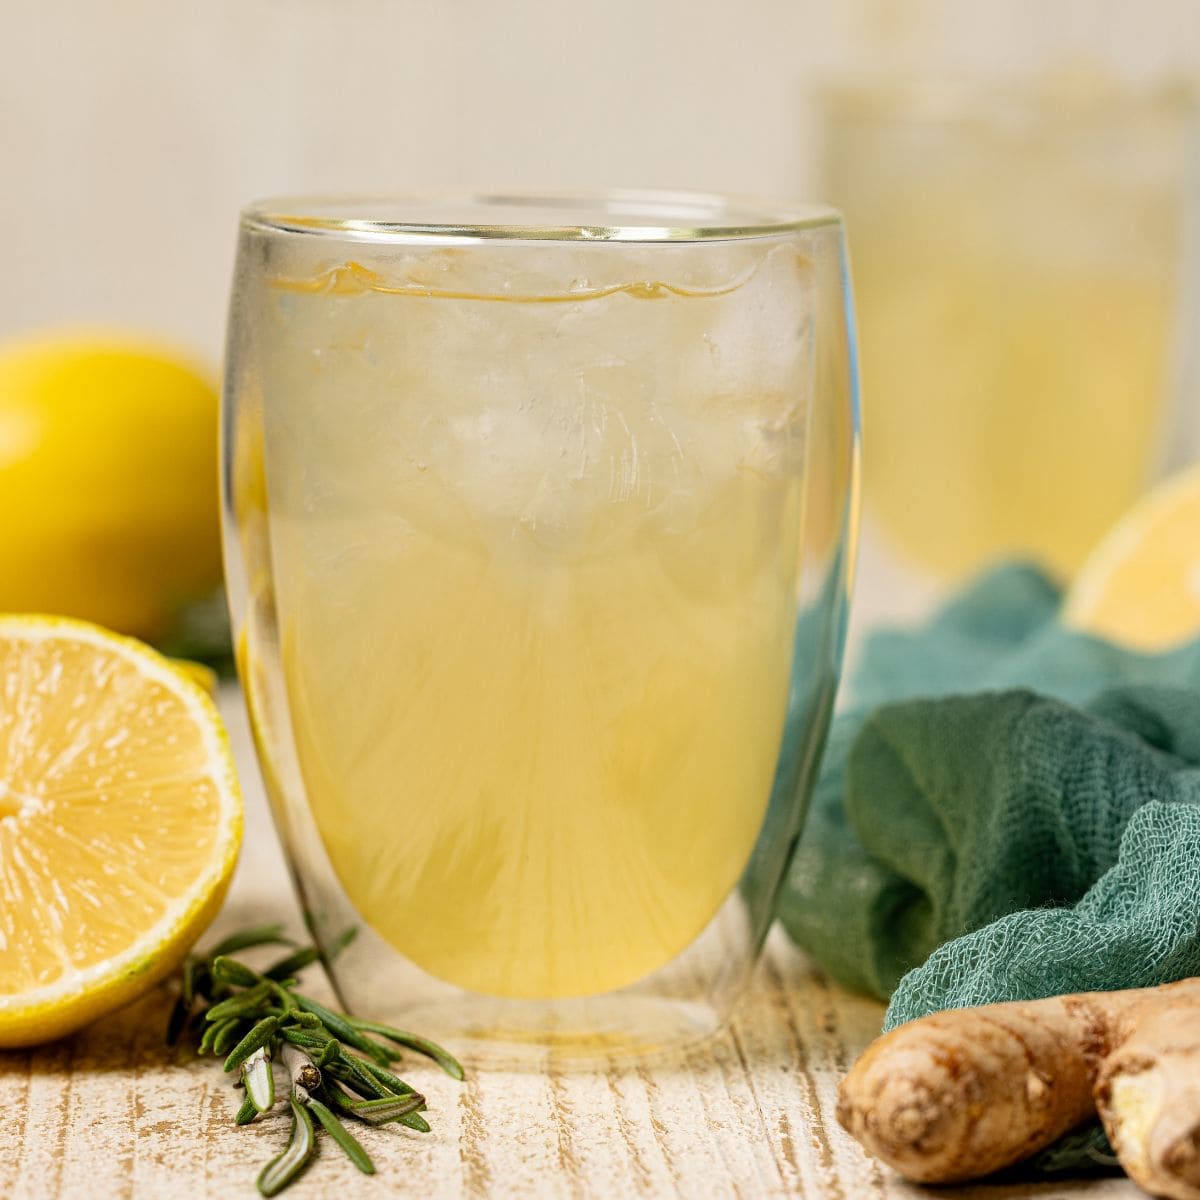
(112, 1113)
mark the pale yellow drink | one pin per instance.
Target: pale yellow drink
(1018, 256)
(1010, 410)
(536, 589)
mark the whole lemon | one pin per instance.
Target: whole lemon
(108, 481)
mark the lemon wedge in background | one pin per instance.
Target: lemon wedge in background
(1141, 586)
(120, 822)
(108, 481)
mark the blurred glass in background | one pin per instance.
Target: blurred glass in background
(1019, 258)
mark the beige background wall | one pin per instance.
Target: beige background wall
(131, 130)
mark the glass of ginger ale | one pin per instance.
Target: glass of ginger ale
(1023, 252)
(539, 529)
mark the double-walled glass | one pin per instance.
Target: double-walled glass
(539, 522)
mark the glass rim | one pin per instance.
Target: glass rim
(646, 216)
(954, 98)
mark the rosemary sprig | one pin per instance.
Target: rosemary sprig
(337, 1065)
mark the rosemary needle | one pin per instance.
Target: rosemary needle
(258, 1037)
(421, 1045)
(344, 1138)
(226, 1036)
(341, 1028)
(239, 1005)
(280, 1171)
(380, 1111)
(337, 1065)
(259, 1080)
(229, 970)
(296, 961)
(261, 935)
(389, 1080)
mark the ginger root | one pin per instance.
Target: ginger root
(960, 1094)
(1148, 1094)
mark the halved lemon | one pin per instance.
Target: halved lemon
(120, 822)
(198, 673)
(1141, 585)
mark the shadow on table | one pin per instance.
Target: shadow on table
(792, 1017)
(131, 1038)
(1049, 1189)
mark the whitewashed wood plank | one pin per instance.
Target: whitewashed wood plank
(111, 1112)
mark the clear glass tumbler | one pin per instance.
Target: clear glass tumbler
(1023, 254)
(539, 527)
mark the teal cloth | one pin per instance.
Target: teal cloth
(1008, 810)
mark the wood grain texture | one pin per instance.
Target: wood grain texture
(112, 1113)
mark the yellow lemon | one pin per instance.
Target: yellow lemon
(1141, 585)
(108, 481)
(198, 673)
(120, 822)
